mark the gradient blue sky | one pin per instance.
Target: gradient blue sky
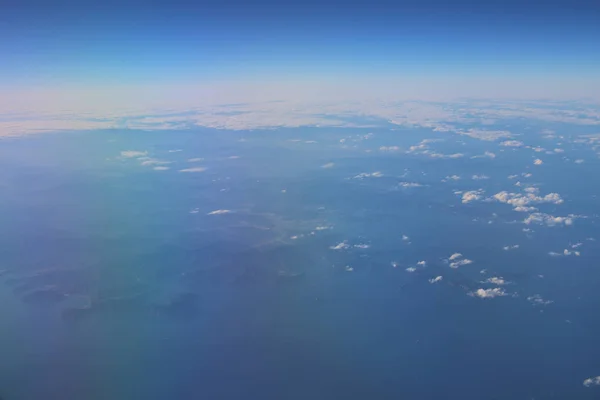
(79, 43)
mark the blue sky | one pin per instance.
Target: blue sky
(148, 42)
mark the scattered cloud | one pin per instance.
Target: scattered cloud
(405, 238)
(537, 300)
(513, 247)
(422, 263)
(161, 168)
(362, 246)
(547, 219)
(175, 151)
(155, 162)
(522, 202)
(133, 153)
(436, 279)
(364, 175)
(197, 159)
(409, 184)
(328, 165)
(488, 293)
(460, 263)
(496, 281)
(453, 177)
(479, 177)
(389, 148)
(455, 256)
(195, 169)
(349, 268)
(219, 212)
(340, 246)
(512, 143)
(487, 154)
(579, 161)
(472, 195)
(594, 381)
(411, 269)
(537, 161)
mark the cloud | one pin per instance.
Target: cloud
(133, 153)
(444, 156)
(512, 143)
(537, 161)
(363, 175)
(322, 228)
(482, 134)
(579, 161)
(409, 184)
(411, 269)
(349, 268)
(436, 279)
(479, 177)
(453, 177)
(455, 256)
(565, 252)
(362, 246)
(197, 159)
(340, 246)
(496, 281)
(537, 300)
(219, 212)
(405, 238)
(328, 165)
(194, 169)
(155, 162)
(523, 202)
(194, 211)
(422, 263)
(460, 263)
(547, 219)
(161, 168)
(487, 154)
(488, 293)
(472, 195)
(389, 148)
(594, 381)
(175, 151)
(559, 150)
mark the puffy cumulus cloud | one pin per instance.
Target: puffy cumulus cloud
(436, 279)
(513, 247)
(522, 202)
(512, 143)
(328, 165)
(349, 268)
(340, 246)
(411, 269)
(133, 153)
(219, 212)
(194, 169)
(594, 381)
(547, 219)
(480, 177)
(537, 161)
(537, 300)
(496, 280)
(389, 148)
(455, 256)
(364, 175)
(422, 263)
(488, 293)
(472, 195)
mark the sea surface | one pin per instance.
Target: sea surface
(296, 264)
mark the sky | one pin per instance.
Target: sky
(84, 46)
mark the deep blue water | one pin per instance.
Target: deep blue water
(116, 284)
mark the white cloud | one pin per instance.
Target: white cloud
(472, 195)
(362, 246)
(594, 381)
(579, 161)
(455, 256)
(487, 154)
(219, 212)
(559, 150)
(445, 156)
(436, 279)
(422, 263)
(195, 169)
(133, 153)
(175, 151)
(155, 162)
(513, 247)
(453, 177)
(322, 228)
(411, 269)
(512, 143)
(194, 211)
(197, 159)
(480, 177)
(340, 246)
(541, 219)
(537, 300)
(409, 184)
(405, 238)
(460, 263)
(349, 268)
(363, 175)
(389, 148)
(328, 165)
(488, 293)
(161, 168)
(496, 281)
(537, 161)
(523, 202)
